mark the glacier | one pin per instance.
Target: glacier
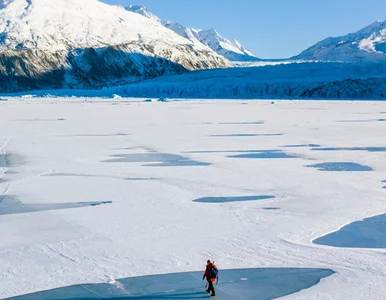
(286, 81)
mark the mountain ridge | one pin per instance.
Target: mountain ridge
(366, 44)
(230, 49)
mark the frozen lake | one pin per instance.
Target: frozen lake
(121, 198)
(248, 284)
(367, 233)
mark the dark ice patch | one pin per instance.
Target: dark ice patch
(271, 208)
(10, 205)
(101, 135)
(301, 146)
(232, 199)
(341, 167)
(369, 149)
(158, 160)
(367, 233)
(246, 284)
(230, 151)
(265, 155)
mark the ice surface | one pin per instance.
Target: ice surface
(102, 134)
(363, 121)
(367, 233)
(232, 199)
(250, 153)
(154, 227)
(246, 284)
(301, 146)
(232, 151)
(246, 135)
(265, 154)
(369, 149)
(341, 167)
(161, 159)
(242, 123)
(10, 205)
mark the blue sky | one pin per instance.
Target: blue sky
(270, 28)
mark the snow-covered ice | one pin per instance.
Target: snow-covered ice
(147, 163)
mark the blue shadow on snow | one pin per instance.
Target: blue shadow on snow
(367, 233)
(246, 284)
(341, 167)
(10, 205)
(10, 160)
(232, 199)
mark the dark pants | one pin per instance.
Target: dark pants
(211, 287)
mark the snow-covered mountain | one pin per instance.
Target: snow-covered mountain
(368, 44)
(230, 49)
(139, 9)
(85, 43)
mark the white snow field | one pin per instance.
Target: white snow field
(124, 199)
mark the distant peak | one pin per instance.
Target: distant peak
(137, 7)
(142, 10)
(211, 31)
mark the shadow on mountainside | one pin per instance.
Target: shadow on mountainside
(26, 69)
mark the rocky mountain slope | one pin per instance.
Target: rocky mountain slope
(70, 43)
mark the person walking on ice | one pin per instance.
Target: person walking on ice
(210, 274)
